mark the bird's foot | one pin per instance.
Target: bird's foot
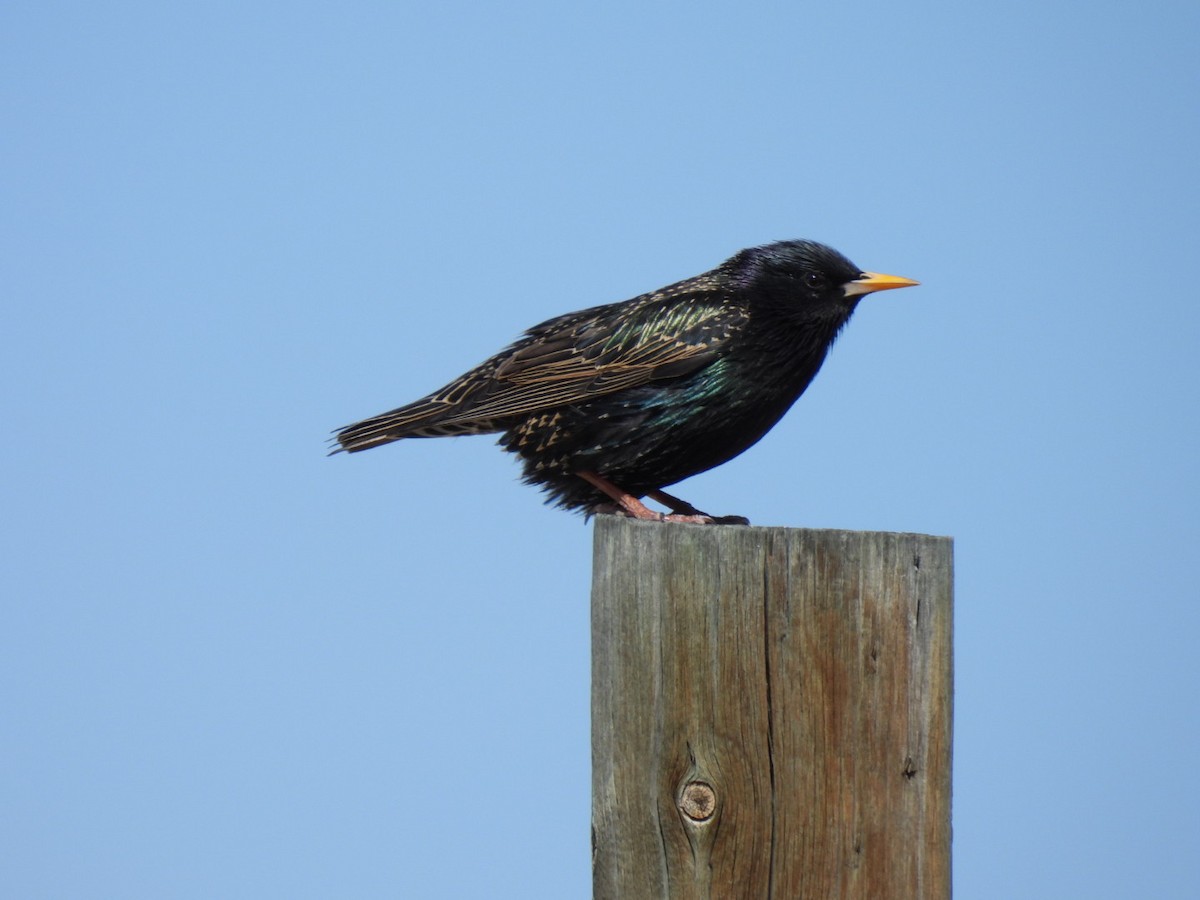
(681, 506)
(645, 514)
(681, 511)
(729, 520)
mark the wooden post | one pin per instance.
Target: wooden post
(771, 713)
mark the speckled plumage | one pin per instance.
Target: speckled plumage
(647, 392)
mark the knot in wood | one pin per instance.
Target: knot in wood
(699, 801)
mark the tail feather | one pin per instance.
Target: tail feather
(421, 419)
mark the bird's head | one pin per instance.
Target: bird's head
(807, 277)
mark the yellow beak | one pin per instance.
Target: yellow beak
(869, 282)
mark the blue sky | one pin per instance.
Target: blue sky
(231, 666)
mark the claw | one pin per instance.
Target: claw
(681, 511)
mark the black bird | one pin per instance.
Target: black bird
(611, 404)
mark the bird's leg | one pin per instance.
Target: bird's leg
(626, 502)
(679, 505)
(635, 508)
(675, 504)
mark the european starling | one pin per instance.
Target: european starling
(611, 404)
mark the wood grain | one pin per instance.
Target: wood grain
(771, 713)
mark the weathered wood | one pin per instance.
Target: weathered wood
(771, 713)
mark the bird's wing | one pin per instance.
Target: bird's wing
(580, 356)
(568, 359)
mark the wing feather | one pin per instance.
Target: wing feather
(599, 356)
(569, 359)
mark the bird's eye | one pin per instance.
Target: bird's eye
(816, 281)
